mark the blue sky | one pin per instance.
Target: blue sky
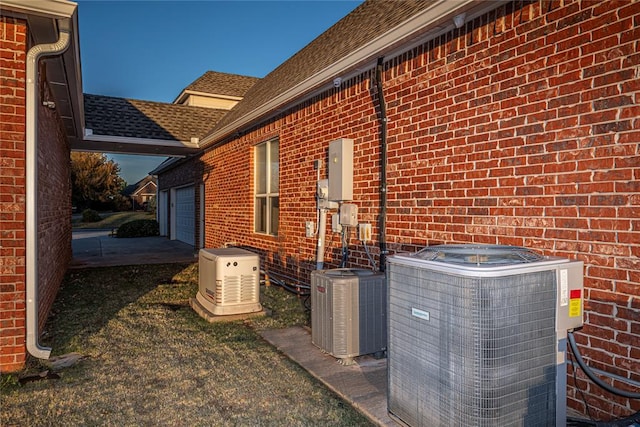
(151, 50)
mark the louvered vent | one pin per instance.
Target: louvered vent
(229, 281)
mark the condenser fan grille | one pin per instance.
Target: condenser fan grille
(479, 255)
(471, 351)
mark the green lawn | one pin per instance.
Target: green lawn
(111, 220)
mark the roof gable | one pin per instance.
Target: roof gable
(216, 83)
(149, 188)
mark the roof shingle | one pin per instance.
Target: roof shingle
(366, 22)
(217, 83)
(111, 116)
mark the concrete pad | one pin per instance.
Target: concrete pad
(212, 318)
(97, 248)
(363, 385)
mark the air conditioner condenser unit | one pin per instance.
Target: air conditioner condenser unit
(477, 335)
(228, 281)
(348, 312)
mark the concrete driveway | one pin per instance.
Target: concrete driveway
(95, 248)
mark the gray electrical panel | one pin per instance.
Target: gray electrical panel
(477, 335)
(348, 312)
(341, 170)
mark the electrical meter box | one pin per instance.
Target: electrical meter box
(341, 169)
(349, 215)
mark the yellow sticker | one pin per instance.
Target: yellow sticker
(574, 307)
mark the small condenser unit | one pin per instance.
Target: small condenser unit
(477, 335)
(348, 312)
(229, 281)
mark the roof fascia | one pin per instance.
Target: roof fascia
(167, 166)
(63, 15)
(417, 24)
(186, 93)
(130, 145)
(139, 190)
(141, 141)
(49, 8)
(181, 98)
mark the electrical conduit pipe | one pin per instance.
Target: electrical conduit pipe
(383, 164)
(33, 56)
(322, 231)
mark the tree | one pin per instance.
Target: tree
(95, 180)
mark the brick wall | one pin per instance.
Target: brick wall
(524, 129)
(521, 128)
(54, 198)
(54, 203)
(13, 47)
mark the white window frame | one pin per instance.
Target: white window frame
(269, 196)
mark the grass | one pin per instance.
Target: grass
(111, 220)
(151, 360)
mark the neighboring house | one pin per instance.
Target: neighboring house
(141, 192)
(518, 125)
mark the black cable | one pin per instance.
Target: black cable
(593, 377)
(575, 384)
(578, 422)
(345, 247)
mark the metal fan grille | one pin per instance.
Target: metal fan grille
(471, 351)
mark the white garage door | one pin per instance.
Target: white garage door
(185, 215)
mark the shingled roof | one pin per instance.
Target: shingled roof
(120, 117)
(217, 83)
(368, 21)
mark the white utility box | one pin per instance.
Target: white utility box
(341, 170)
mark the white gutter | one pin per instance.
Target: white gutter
(427, 17)
(48, 8)
(34, 54)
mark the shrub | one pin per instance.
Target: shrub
(89, 215)
(139, 228)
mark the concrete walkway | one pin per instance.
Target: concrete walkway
(363, 385)
(96, 248)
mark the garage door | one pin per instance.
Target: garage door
(185, 215)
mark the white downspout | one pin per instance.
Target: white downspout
(34, 54)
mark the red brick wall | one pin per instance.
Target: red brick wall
(522, 128)
(54, 203)
(13, 47)
(54, 198)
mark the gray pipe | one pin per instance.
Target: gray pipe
(322, 231)
(35, 53)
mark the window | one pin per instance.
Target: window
(267, 185)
